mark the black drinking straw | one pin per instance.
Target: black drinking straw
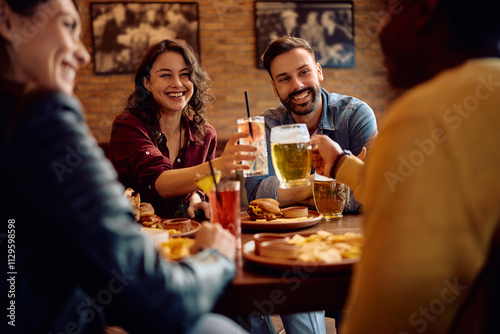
(215, 181)
(248, 113)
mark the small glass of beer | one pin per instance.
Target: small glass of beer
(329, 196)
(291, 154)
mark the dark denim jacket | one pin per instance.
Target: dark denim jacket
(347, 120)
(80, 256)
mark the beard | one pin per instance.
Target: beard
(304, 108)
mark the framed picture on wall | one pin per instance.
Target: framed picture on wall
(122, 31)
(327, 26)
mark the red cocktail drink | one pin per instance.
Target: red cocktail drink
(225, 208)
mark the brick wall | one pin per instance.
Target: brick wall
(227, 45)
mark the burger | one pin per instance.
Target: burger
(144, 212)
(264, 208)
(148, 218)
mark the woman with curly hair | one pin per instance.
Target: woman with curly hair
(163, 140)
(74, 231)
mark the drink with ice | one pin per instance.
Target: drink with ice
(259, 165)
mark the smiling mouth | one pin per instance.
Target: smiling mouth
(69, 71)
(176, 94)
(301, 95)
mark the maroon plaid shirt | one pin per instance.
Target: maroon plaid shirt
(139, 162)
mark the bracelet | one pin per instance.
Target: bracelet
(341, 154)
(201, 194)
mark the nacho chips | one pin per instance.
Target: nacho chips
(326, 247)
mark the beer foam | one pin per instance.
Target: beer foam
(290, 135)
(318, 177)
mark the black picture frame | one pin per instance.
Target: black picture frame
(327, 26)
(122, 31)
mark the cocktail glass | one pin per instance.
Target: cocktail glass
(258, 139)
(225, 207)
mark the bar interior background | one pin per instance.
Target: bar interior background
(227, 48)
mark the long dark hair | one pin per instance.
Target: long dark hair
(23, 8)
(144, 106)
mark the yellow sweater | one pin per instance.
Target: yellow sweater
(431, 190)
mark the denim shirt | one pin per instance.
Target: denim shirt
(345, 119)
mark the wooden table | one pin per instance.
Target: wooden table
(256, 290)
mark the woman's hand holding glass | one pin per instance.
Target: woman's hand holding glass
(233, 154)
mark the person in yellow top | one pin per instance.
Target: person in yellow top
(431, 180)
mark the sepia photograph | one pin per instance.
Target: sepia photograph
(327, 26)
(122, 31)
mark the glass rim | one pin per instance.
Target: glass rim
(228, 185)
(294, 125)
(251, 118)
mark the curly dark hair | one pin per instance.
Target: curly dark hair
(144, 106)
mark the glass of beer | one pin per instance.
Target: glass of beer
(329, 196)
(291, 154)
(258, 139)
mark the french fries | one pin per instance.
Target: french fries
(177, 248)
